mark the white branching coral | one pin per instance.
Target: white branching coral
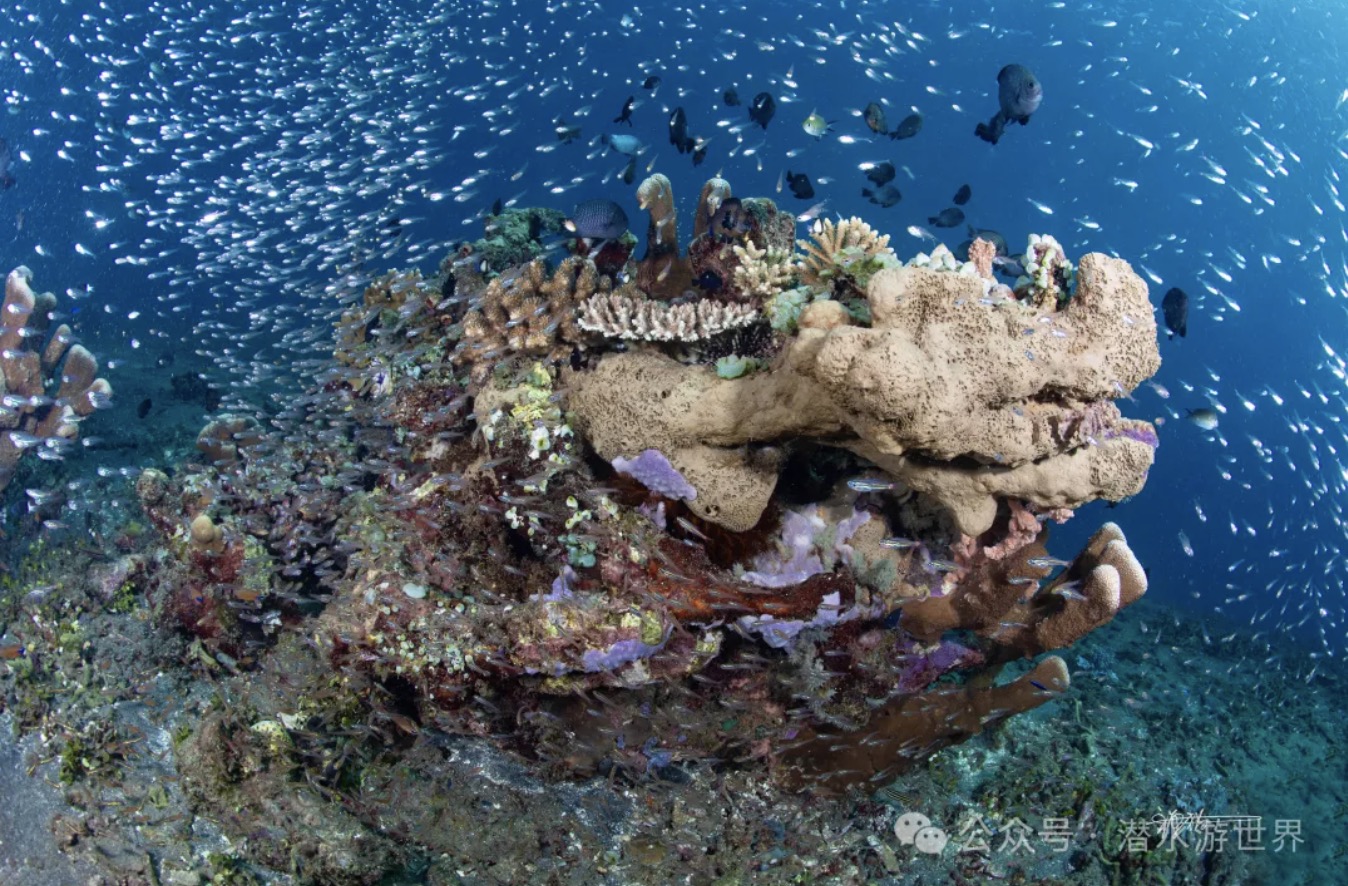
(842, 251)
(617, 315)
(762, 272)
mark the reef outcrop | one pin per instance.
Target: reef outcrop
(747, 499)
(959, 396)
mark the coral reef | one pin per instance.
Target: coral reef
(48, 384)
(629, 526)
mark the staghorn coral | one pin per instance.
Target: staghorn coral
(842, 255)
(959, 397)
(527, 312)
(48, 386)
(762, 273)
(626, 314)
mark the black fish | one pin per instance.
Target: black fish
(678, 132)
(7, 179)
(993, 237)
(799, 183)
(731, 221)
(762, 109)
(963, 194)
(629, 171)
(731, 97)
(881, 174)
(566, 133)
(650, 82)
(699, 154)
(886, 195)
(144, 408)
(1175, 306)
(908, 127)
(597, 220)
(626, 115)
(496, 206)
(1018, 95)
(946, 218)
(875, 118)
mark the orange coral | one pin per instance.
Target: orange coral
(981, 253)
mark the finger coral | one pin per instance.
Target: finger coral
(762, 272)
(47, 382)
(528, 312)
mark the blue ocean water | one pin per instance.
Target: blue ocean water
(205, 176)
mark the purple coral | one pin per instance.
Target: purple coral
(620, 653)
(923, 666)
(651, 469)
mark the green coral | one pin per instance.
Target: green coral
(783, 309)
(514, 237)
(734, 366)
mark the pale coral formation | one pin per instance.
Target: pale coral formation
(225, 438)
(714, 192)
(1050, 278)
(656, 196)
(957, 397)
(626, 314)
(49, 384)
(762, 272)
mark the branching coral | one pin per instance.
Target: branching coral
(843, 255)
(626, 314)
(526, 312)
(48, 386)
(762, 272)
